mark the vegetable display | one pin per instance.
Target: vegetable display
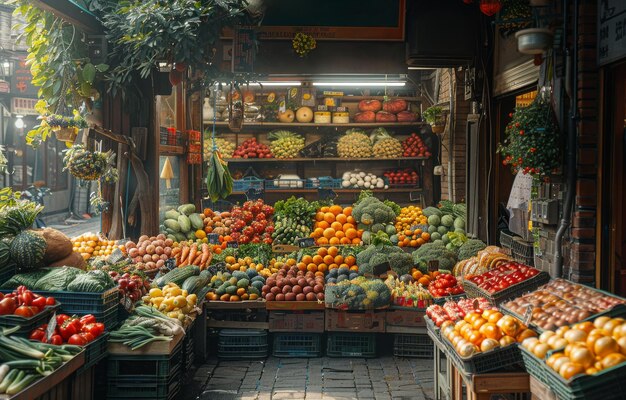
(150, 253)
(78, 331)
(445, 285)
(362, 180)
(24, 303)
(191, 253)
(285, 144)
(182, 223)
(252, 223)
(145, 326)
(408, 294)
(62, 279)
(434, 252)
(293, 219)
(388, 147)
(354, 144)
(293, 284)
(250, 148)
(456, 310)
(502, 277)
(133, 286)
(358, 294)
(171, 300)
(236, 286)
(414, 146)
(402, 177)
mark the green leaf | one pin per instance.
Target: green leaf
(89, 72)
(102, 67)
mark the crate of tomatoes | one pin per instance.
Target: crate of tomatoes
(507, 281)
(445, 287)
(453, 310)
(25, 309)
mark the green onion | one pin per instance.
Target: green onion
(8, 380)
(22, 384)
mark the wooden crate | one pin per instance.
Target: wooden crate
(539, 391)
(404, 321)
(310, 321)
(154, 348)
(295, 305)
(354, 321)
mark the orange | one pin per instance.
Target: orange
(319, 273)
(323, 225)
(426, 236)
(328, 259)
(333, 266)
(344, 240)
(322, 251)
(335, 209)
(311, 267)
(420, 241)
(406, 242)
(307, 259)
(317, 259)
(351, 219)
(339, 234)
(334, 240)
(319, 216)
(413, 243)
(336, 226)
(329, 233)
(350, 260)
(354, 268)
(341, 218)
(301, 266)
(339, 259)
(351, 233)
(408, 233)
(401, 237)
(318, 232)
(322, 267)
(343, 266)
(322, 240)
(325, 209)
(424, 280)
(417, 232)
(356, 241)
(348, 226)
(333, 251)
(417, 274)
(329, 217)
(291, 262)
(347, 211)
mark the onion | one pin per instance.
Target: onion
(559, 363)
(605, 346)
(467, 350)
(559, 343)
(551, 360)
(530, 343)
(612, 324)
(619, 331)
(600, 321)
(543, 338)
(541, 350)
(621, 342)
(575, 335)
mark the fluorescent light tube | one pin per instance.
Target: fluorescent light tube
(361, 84)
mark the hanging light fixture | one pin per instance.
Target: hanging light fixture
(490, 7)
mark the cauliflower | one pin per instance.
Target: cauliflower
(470, 248)
(434, 251)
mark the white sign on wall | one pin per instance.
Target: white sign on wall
(611, 30)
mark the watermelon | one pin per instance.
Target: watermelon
(434, 220)
(27, 250)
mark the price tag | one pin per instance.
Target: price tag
(219, 266)
(326, 194)
(213, 238)
(127, 303)
(528, 314)
(232, 244)
(52, 325)
(306, 242)
(380, 269)
(433, 265)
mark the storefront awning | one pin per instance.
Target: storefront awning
(72, 12)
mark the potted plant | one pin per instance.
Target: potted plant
(532, 140)
(534, 40)
(436, 118)
(65, 128)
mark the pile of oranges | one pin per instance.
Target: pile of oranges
(424, 278)
(91, 245)
(412, 238)
(335, 225)
(327, 258)
(410, 216)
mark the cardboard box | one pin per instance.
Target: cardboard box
(296, 321)
(405, 318)
(355, 321)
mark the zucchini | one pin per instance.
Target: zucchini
(178, 275)
(193, 284)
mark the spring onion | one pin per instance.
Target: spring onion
(4, 370)
(8, 379)
(20, 384)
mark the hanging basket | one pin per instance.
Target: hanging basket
(66, 134)
(534, 41)
(438, 128)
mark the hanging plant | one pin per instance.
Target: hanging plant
(532, 140)
(89, 165)
(515, 15)
(303, 44)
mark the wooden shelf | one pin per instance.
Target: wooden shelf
(165, 149)
(295, 190)
(312, 125)
(328, 159)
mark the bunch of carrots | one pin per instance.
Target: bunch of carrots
(199, 254)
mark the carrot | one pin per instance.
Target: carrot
(192, 253)
(175, 251)
(205, 254)
(185, 253)
(196, 261)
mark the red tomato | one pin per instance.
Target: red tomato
(7, 306)
(56, 339)
(39, 302)
(87, 336)
(24, 311)
(77, 339)
(50, 301)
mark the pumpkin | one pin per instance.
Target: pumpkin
(59, 245)
(27, 250)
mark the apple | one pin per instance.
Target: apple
(304, 114)
(287, 116)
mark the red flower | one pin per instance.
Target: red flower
(533, 149)
(521, 132)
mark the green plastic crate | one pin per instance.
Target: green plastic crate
(95, 351)
(27, 325)
(242, 344)
(145, 366)
(491, 360)
(348, 344)
(297, 345)
(412, 345)
(153, 389)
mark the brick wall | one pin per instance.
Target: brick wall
(456, 170)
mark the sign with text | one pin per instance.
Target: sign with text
(21, 81)
(611, 31)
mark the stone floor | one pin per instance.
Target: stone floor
(385, 378)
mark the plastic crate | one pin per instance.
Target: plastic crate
(27, 325)
(442, 300)
(523, 248)
(533, 365)
(7, 272)
(431, 327)
(153, 389)
(281, 184)
(297, 345)
(323, 182)
(242, 344)
(145, 366)
(241, 185)
(517, 290)
(412, 345)
(95, 351)
(506, 238)
(341, 344)
(480, 363)
(82, 302)
(110, 317)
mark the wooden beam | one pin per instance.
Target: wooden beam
(71, 13)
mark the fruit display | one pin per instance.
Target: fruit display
(384, 116)
(245, 263)
(447, 226)
(191, 253)
(73, 330)
(250, 148)
(502, 277)
(293, 284)
(172, 301)
(133, 286)
(406, 116)
(412, 238)
(365, 116)
(354, 144)
(486, 259)
(387, 148)
(182, 223)
(402, 177)
(409, 217)
(561, 302)
(413, 146)
(456, 310)
(251, 223)
(585, 348)
(150, 252)
(480, 332)
(24, 303)
(408, 294)
(445, 285)
(362, 180)
(218, 223)
(225, 147)
(91, 245)
(285, 144)
(236, 286)
(304, 114)
(359, 293)
(335, 225)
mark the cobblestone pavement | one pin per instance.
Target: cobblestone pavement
(385, 378)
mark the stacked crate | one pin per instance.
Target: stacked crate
(297, 332)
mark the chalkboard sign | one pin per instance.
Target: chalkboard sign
(213, 238)
(306, 242)
(381, 268)
(326, 194)
(232, 245)
(433, 265)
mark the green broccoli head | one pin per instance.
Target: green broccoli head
(394, 206)
(364, 256)
(384, 214)
(401, 263)
(470, 248)
(378, 259)
(434, 251)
